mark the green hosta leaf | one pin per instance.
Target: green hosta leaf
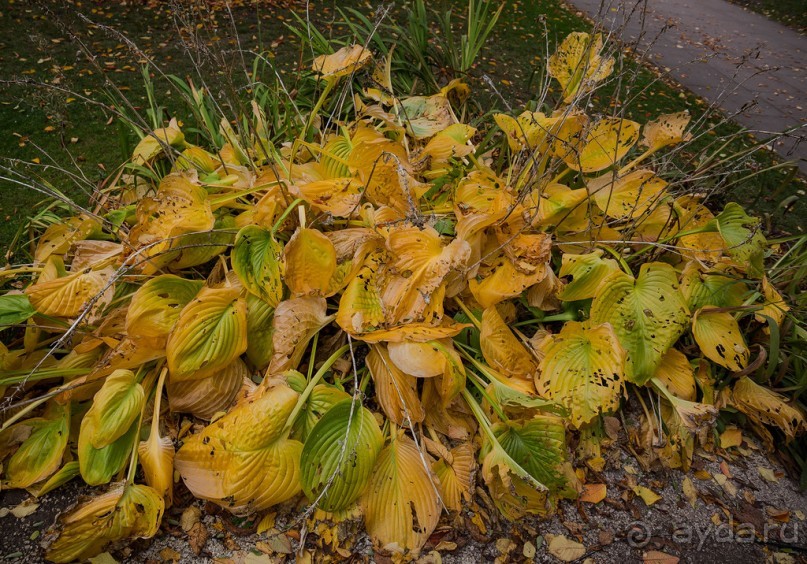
(210, 333)
(706, 289)
(538, 445)
(40, 455)
(339, 455)
(156, 306)
(648, 314)
(62, 476)
(131, 511)
(259, 331)
(256, 258)
(583, 369)
(99, 465)
(323, 397)
(743, 237)
(15, 309)
(587, 272)
(114, 408)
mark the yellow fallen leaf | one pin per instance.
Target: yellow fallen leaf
(268, 522)
(726, 484)
(648, 496)
(731, 437)
(703, 475)
(593, 493)
(564, 548)
(768, 474)
(658, 557)
(689, 491)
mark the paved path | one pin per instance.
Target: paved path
(704, 49)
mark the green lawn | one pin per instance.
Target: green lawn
(57, 127)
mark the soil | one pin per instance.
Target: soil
(739, 515)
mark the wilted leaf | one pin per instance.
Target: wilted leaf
(767, 407)
(667, 129)
(565, 549)
(396, 392)
(606, 142)
(345, 61)
(454, 473)
(502, 350)
(310, 261)
(295, 323)
(400, 505)
(68, 295)
(131, 511)
(578, 65)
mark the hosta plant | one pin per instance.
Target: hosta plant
(368, 319)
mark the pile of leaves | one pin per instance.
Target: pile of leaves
(365, 321)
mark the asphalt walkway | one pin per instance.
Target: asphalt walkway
(745, 63)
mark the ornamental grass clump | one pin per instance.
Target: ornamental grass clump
(369, 318)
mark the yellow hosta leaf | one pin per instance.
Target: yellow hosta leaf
(561, 206)
(587, 272)
(703, 289)
(706, 246)
(211, 332)
(422, 360)
(720, 338)
(338, 196)
(530, 130)
(479, 202)
(605, 143)
(743, 238)
(667, 129)
(345, 61)
(155, 307)
(156, 453)
(295, 323)
(414, 332)
(648, 314)
(204, 397)
(677, 375)
(578, 65)
(774, 306)
(361, 307)
(114, 408)
(40, 454)
(503, 350)
(450, 143)
(195, 158)
(504, 282)
(455, 472)
(422, 262)
(131, 511)
(396, 392)
(401, 507)
(310, 260)
(157, 141)
(245, 461)
(69, 295)
(583, 369)
(179, 208)
(59, 237)
(767, 407)
(424, 116)
(629, 196)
